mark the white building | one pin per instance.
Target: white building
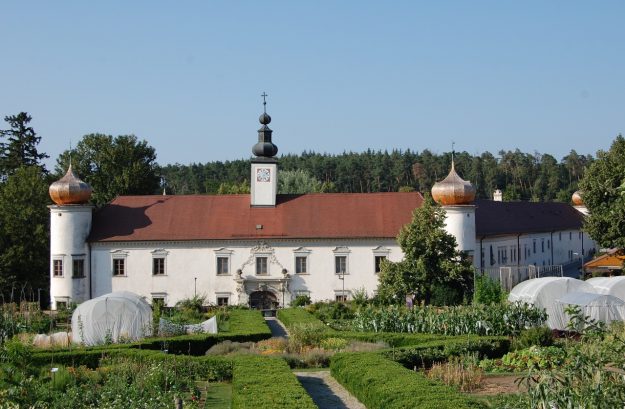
(263, 249)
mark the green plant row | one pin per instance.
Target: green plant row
(266, 383)
(506, 319)
(383, 384)
(292, 317)
(427, 353)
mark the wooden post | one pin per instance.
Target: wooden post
(178, 403)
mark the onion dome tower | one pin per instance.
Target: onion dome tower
(70, 224)
(456, 195)
(578, 202)
(453, 190)
(264, 178)
(70, 190)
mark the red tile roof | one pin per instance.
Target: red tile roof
(205, 217)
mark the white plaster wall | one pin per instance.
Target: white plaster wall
(562, 242)
(186, 261)
(460, 223)
(264, 193)
(69, 227)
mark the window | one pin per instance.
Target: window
(340, 297)
(570, 235)
(119, 266)
(158, 266)
(378, 261)
(222, 301)
(340, 264)
(548, 244)
(261, 265)
(57, 268)
(222, 265)
(502, 255)
(300, 265)
(534, 242)
(560, 236)
(542, 245)
(158, 300)
(78, 268)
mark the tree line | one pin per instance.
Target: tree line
(521, 176)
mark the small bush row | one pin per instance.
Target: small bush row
(212, 368)
(427, 353)
(266, 383)
(380, 383)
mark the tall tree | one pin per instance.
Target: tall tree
(430, 258)
(113, 166)
(19, 147)
(24, 230)
(603, 187)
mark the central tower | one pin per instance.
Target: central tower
(264, 177)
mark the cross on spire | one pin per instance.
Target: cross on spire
(264, 95)
(453, 144)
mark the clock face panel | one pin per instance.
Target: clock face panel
(263, 175)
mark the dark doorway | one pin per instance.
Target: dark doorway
(263, 300)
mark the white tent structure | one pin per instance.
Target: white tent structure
(609, 285)
(543, 293)
(599, 307)
(112, 317)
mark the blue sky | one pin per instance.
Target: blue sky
(187, 77)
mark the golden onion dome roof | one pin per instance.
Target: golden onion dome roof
(577, 198)
(453, 190)
(70, 190)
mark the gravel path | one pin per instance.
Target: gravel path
(276, 327)
(326, 392)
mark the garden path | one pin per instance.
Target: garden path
(326, 392)
(276, 327)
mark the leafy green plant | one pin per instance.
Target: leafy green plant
(538, 336)
(301, 301)
(508, 319)
(487, 291)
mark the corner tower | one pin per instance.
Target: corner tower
(578, 202)
(70, 224)
(264, 177)
(456, 196)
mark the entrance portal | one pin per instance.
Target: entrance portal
(263, 300)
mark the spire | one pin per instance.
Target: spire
(264, 148)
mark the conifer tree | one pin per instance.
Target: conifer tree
(18, 145)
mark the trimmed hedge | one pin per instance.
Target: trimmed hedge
(382, 384)
(292, 316)
(427, 353)
(212, 368)
(266, 383)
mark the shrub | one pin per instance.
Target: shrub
(539, 336)
(266, 383)
(379, 383)
(301, 301)
(292, 316)
(333, 310)
(228, 348)
(305, 335)
(333, 344)
(487, 291)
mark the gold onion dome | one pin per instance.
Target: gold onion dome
(577, 198)
(453, 190)
(70, 190)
